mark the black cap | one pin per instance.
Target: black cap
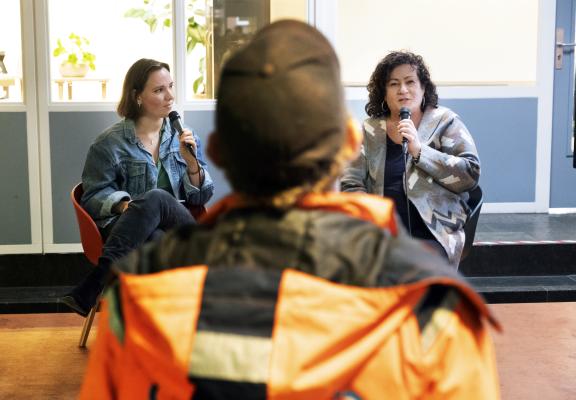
(280, 112)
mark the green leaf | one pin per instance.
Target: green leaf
(190, 46)
(135, 13)
(197, 36)
(167, 23)
(197, 83)
(152, 22)
(88, 58)
(59, 50)
(202, 65)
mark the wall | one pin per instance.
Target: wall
(14, 196)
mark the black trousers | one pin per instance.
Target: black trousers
(146, 218)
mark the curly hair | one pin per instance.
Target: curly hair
(376, 106)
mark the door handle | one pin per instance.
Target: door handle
(561, 47)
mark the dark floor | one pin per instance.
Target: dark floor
(516, 258)
(525, 227)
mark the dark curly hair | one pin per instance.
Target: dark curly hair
(376, 107)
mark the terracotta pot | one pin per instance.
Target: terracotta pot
(70, 70)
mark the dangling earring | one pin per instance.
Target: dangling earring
(139, 103)
(423, 103)
(384, 107)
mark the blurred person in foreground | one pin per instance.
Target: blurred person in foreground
(288, 289)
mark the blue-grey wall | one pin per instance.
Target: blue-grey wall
(15, 195)
(71, 134)
(505, 132)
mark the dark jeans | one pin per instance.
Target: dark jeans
(146, 218)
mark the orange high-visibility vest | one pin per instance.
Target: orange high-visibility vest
(326, 340)
(199, 332)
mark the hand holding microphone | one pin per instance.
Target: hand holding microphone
(186, 135)
(187, 141)
(404, 114)
(407, 129)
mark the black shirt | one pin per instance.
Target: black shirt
(394, 189)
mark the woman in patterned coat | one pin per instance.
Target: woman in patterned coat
(441, 161)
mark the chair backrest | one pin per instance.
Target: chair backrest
(475, 204)
(89, 233)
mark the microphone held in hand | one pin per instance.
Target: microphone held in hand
(404, 114)
(176, 122)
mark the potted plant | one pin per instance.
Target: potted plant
(76, 56)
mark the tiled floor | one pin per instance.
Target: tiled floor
(494, 227)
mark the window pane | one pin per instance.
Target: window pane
(229, 24)
(112, 36)
(10, 52)
(473, 42)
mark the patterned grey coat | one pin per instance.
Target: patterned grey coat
(438, 185)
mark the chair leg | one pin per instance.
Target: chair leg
(87, 326)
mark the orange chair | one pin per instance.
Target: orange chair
(197, 211)
(92, 245)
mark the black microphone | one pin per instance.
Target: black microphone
(404, 114)
(176, 122)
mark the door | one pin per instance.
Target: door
(563, 168)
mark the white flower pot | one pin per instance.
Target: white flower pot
(76, 71)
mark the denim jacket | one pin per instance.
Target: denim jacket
(119, 168)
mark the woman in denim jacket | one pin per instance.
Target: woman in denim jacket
(139, 175)
(441, 163)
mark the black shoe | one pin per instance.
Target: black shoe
(71, 302)
(85, 296)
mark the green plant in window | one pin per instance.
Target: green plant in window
(75, 54)
(159, 12)
(152, 13)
